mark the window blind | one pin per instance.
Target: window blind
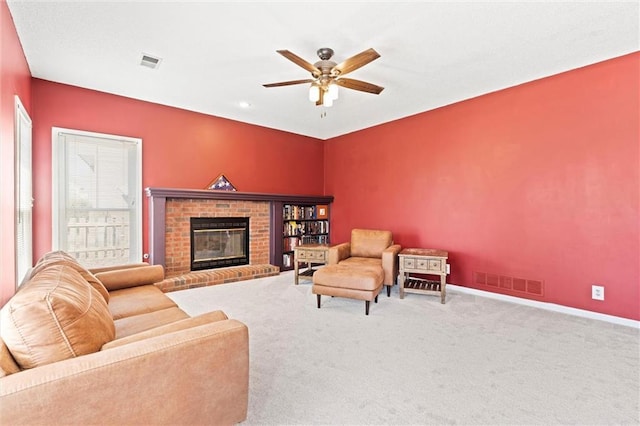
(98, 198)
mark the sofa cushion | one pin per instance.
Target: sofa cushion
(138, 300)
(143, 322)
(369, 242)
(183, 324)
(341, 276)
(362, 262)
(57, 315)
(8, 365)
(62, 258)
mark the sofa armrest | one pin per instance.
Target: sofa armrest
(131, 277)
(117, 267)
(339, 252)
(390, 264)
(195, 376)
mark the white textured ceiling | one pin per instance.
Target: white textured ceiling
(218, 54)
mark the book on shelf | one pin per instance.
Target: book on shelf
(290, 243)
(297, 212)
(315, 239)
(310, 212)
(293, 228)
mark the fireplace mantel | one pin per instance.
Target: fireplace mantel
(158, 200)
(158, 193)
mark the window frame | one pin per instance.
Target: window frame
(23, 127)
(135, 251)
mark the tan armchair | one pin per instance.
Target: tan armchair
(369, 248)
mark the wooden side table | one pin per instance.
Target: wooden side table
(424, 262)
(311, 254)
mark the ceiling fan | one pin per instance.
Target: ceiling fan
(327, 75)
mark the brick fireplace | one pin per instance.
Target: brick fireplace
(170, 236)
(170, 213)
(178, 231)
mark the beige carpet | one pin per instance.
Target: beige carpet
(473, 360)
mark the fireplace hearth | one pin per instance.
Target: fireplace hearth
(219, 242)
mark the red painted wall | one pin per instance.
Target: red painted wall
(15, 79)
(539, 181)
(180, 149)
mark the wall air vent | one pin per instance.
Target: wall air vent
(520, 284)
(505, 282)
(480, 278)
(150, 61)
(535, 287)
(509, 285)
(493, 280)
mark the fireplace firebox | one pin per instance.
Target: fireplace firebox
(218, 242)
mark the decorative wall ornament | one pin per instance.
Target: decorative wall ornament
(221, 183)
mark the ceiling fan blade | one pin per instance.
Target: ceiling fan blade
(357, 61)
(300, 62)
(288, 83)
(362, 86)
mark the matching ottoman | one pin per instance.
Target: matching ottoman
(344, 281)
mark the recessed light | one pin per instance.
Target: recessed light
(244, 104)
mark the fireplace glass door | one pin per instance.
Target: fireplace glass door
(219, 242)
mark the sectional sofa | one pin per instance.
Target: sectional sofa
(106, 346)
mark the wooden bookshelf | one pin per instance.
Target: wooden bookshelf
(304, 222)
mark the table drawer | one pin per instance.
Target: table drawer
(434, 265)
(311, 255)
(409, 263)
(423, 264)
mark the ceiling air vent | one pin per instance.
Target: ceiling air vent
(150, 61)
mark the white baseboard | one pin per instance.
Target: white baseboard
(548, 306)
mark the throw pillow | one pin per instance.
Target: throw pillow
(61, 258)
(57, 316)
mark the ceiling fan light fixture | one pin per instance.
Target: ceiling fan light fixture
(327, 75)
(332, 92)
(314, 93)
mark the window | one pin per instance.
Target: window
(24, 200)
(97, 191)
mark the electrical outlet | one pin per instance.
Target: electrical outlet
(448, 269)
(597, 292)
